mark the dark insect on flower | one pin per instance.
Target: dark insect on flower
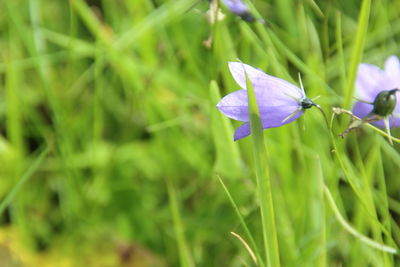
(279, 102)
(377, 92)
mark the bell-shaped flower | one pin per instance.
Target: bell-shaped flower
(376, 92)
(279, 102)
(239, 8)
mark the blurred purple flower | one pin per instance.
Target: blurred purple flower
(279, 102)
(236, 6)
(371, 80)
(239, 8)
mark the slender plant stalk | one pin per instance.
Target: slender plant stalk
(368, 241)
(247, 247)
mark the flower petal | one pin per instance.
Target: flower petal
(235, 105)
(392, 69)
(274, 117)
(371, 80)
(396, 113)
(242, 131)
(280, 92)
(236, 6)
(362, 109)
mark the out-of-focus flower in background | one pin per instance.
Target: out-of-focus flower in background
(239, 8)
(376, 93)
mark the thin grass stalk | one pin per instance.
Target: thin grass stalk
(243, 223)
(366, 240)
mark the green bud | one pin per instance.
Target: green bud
(384, 103)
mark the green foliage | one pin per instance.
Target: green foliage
(111, 145)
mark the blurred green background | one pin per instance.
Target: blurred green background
(111, 145)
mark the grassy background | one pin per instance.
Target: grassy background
(111, 145)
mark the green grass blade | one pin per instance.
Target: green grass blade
(243, 223)
(184, 254)
(357, 52)
(340, 53)
(368, 241)
(17, 187)
(320, 212)
(263, 181)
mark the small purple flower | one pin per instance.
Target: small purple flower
(236, 6)
(371, 81)
(239, 8)
(279, 102)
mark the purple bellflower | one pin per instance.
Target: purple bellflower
(376, 92)
(239, 8)
(279, 102)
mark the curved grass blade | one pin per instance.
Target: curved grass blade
(247, 247)
(368, 241)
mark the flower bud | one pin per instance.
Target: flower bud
(385, 103)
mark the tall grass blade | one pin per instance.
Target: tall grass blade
(358, 47)
(263, 181)
(184, 255)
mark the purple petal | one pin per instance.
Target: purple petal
(362, 109)
(396, 113)
(280, 92)
(236, 6)
(370, 81)
(392, 69)
(273, 118)
(235, 105)
(242, 131)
